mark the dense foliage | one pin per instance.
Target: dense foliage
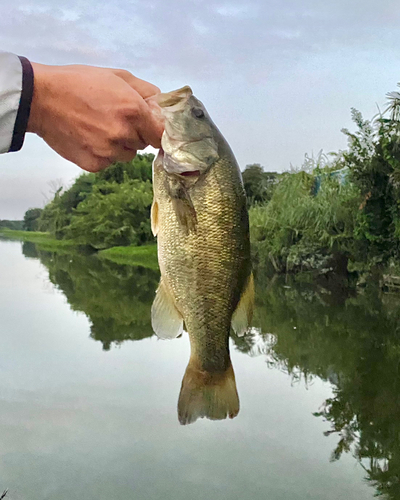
(345, 209)
(258, 184)
(31, 219)
(106, 209)
(298, 230)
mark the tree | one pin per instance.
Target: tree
(31, 219)
(259, 185)
(113, 215)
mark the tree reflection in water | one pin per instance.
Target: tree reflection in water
(349, 340)
(115, 298)
(354, 343)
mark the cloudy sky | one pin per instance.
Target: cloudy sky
(278, 77)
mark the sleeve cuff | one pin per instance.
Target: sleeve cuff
(24, 108)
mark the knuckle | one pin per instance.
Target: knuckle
(119, 133)
(126, 155)
(132, 111)
(122, 73)
(108, 153)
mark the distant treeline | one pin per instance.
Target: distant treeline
(112, 208)
(102, 210)
(17, 225)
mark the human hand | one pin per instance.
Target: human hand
(93, 116)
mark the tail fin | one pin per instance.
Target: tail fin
(205, 394)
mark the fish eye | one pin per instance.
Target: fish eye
(198, 112)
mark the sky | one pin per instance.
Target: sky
(279, 78)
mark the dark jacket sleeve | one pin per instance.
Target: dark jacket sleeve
(16, 91)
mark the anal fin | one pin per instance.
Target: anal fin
(166, 320)
(243, 314)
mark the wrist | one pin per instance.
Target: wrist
(38, 102)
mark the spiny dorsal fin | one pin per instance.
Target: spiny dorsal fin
(166, 320)
(243, 314)
(154, 218)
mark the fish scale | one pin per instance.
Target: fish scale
(207, 283)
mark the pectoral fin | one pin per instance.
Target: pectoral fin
(154, 218)
(243, 314)
(185, 213)
(166, 320)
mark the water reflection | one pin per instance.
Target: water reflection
(355, 345)
(117, 299)
(349, 340)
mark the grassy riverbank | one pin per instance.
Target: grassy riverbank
(44, 240)
(145, 256)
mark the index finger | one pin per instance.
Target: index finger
(143, 88)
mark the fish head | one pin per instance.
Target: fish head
(190, 139)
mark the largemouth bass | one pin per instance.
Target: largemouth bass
(200, 219)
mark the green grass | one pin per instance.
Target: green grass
(43, 240)
(145, 256)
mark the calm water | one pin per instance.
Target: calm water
(88, 394)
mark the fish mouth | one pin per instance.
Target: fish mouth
(174, 100)
(171, 167)
(190, 173)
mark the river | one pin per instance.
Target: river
(88, 394)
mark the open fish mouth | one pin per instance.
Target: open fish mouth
(191, 173)
(175, 99)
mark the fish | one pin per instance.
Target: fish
(200, 219)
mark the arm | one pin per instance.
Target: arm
(90, 116)
(16, 87)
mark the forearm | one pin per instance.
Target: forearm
(16, 89)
